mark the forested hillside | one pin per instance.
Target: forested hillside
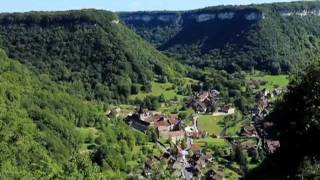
(276, 38)
(44, 131)
(89, 48)
(296, 120)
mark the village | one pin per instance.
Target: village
(185, 146)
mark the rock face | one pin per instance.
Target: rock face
(200, 17)
(168, 18)
(220, 36)
(145, 18)
(226, 15)
(301, 13)
(151, 17)
(214, 25)
(203, 17)
(254, 16)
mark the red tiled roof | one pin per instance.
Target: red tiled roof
(173, 120)
(172, 133)
(247, 145)
(161, 123)
(195, 147)
(203, 97)
(249, 130)
(165, 122)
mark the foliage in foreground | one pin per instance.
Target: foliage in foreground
(39, 136)
(297, 127)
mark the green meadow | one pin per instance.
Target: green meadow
(210, 124)
(272, 81)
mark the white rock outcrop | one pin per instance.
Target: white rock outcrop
(253, 16)
(205, 17)
(301, 13)
(145, 18)
(226, 15)
(168, 18)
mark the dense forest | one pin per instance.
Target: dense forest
(296, 120)
(89, 48)
(44, 131)
(70, 80)
(277, 38)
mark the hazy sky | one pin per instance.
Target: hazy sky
(117, 5)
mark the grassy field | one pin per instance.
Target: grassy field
(212, 141)
(158, 89)
(272, 80)
(210, 124)
(189, 81)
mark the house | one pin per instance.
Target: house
(143, 119)
(195, 148)
(198, 135)
(248, 145)
(194, 133)
(272, 145)
(204, 101)
(190, 129)
(115, 112)
(277, 92)
(227, 109)
(249, 131)
(162, 123)
(261, 108)
(135, 121)
(175, 136)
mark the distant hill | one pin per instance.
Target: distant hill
(276, 38)
(88, 47)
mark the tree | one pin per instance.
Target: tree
(297, 125)
(152, 134)
(155, 103)
(135, 89)
(146, 87)
(162, 99)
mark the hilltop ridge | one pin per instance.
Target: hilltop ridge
(271, 37)
(89, 47)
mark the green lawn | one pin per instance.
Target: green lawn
(210, 124)
(272, 80)
(190, 81)
(212, 141)
(158, 89)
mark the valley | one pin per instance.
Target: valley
(192, 135)
(224, 92)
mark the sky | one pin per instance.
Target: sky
(117, 5)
